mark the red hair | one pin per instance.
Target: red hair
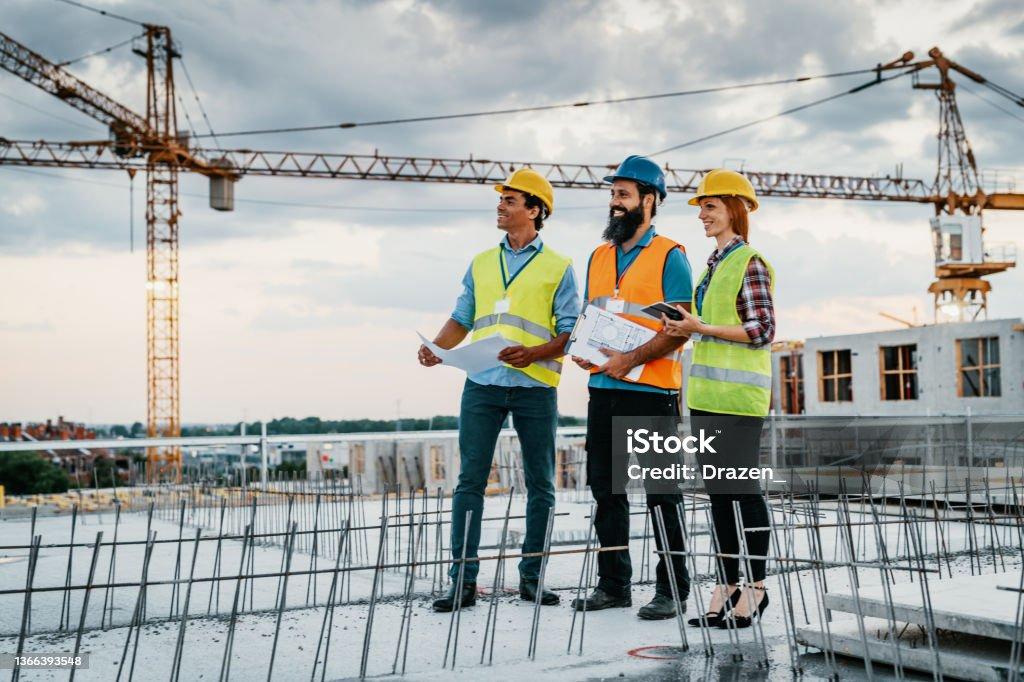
(736, 207)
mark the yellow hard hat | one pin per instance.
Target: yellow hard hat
(530, 181)
(722, 182)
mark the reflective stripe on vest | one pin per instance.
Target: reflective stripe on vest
(639, 287)
(537, 330)
(727, 376)
(725, 342)
(530, 319)
(732, 376)
(627, 307)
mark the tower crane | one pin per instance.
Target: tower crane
(152, 143)
(961, 260)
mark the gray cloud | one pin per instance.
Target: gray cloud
(334, 61)
(999, 12)
(323, 290)
(412, 278)
(805, 260)
(266, 63)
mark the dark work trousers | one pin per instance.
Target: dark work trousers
(743, 446)
(611, 519)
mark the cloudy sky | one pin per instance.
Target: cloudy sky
(305, 300)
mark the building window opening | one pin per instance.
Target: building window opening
(792, 370)
(899, 372)
(978, 373)
(835, 369)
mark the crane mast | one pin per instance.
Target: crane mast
(962, 262)
(163, 407)
(151, 143)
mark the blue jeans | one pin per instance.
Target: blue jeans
(535, 417)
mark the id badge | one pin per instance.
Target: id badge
(502, 306)
(616, 305)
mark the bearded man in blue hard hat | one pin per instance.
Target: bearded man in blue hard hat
(632, 269)
(527, 292)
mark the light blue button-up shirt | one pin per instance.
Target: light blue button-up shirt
(676, 284)
(566, 309)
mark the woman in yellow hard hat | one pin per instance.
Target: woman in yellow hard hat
(728, 387)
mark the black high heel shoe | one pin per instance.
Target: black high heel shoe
(711, 619)
(745, 621)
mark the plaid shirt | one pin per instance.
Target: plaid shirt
(754, 302)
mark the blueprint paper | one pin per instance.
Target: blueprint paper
(473, 357)
(597, 329)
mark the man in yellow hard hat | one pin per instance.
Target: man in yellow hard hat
(526, 292)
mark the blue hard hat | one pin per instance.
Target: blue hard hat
(640, 169)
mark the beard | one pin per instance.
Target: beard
(621, 228)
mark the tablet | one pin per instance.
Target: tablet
(656, 310)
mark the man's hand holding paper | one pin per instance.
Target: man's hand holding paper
(619, 365)
(603, 340)
(517, 356)
(474, 357)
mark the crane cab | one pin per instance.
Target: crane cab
(962, 261)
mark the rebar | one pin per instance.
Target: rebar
(937, 530)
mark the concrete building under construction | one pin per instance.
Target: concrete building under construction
(941, 369)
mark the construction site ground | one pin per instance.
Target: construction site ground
(616, 643)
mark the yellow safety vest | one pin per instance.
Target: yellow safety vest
(530, 319)
(727, 376)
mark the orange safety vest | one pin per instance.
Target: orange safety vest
(640, 286)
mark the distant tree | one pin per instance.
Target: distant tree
(438, 423)
(314, 425)
(190, 431)
(26, 473)
(138, 430)
(292, 466)
(118, 431)
(104, 472)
